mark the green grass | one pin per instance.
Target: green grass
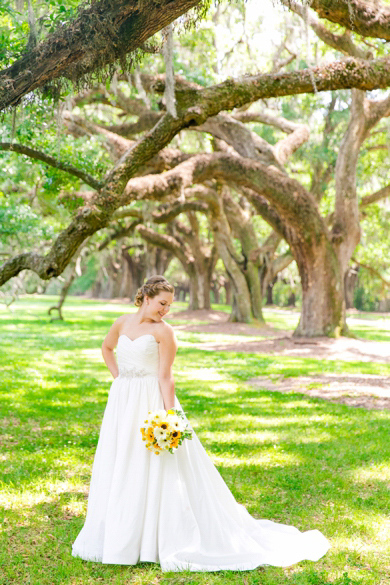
(286, 457)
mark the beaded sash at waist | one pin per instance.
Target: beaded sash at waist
(134, 372)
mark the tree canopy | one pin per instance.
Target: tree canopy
(112, 132)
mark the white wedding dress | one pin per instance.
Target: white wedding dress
(174, 509)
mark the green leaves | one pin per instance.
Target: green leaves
(18, 219)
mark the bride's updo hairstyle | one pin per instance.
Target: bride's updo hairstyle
(152, 287)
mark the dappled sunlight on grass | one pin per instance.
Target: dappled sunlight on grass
(280, 318)
(367, 332)
(265, 459)
(204, 374)
(188, 337)
(286, 457)
(372, 473)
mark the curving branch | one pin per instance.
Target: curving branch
(164, 216)
(195, 106)
(49, 160)
(173, 211)
(385, 283)
(265, 118)
(119, 233)
(168, 243)
(103, 33)
(127, 212)
(145, 122)
(342, 43)
(116, 145)
(368, 18)
(287, 146)
(267, 212)
(374, 197)
(265, 180)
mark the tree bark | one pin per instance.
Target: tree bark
(365, 17)
(200, 105)
(103, 33)
(242, 227)
(322, 294)
(350, 282)
(242, 306)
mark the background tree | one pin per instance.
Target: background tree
(248, 163)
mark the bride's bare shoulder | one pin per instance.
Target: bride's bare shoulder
(122, 322)
(166, 332)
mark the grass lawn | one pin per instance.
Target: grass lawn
(286, 457)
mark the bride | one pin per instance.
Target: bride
(174, 508)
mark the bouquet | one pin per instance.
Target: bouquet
(165, 430)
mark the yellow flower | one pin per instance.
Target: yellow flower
(164, 425)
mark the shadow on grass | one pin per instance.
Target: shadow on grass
(288, 458)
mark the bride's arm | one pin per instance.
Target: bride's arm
(167, 352)
(109, 344)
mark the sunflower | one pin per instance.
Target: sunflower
(164, 425)
(150, 434)
(174, 443)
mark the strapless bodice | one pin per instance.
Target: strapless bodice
(137, 357)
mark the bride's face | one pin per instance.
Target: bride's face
(159, 306)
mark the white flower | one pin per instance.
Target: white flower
(163, 442)
(159, 433)
(157, 416)
(177, 423)
(172, 418)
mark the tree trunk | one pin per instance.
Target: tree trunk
(291, 300)
(254, 285)
(228, 292)
(242, 227)
(194, 292)
(350, 282)
(215, 290)
(269, 293)
(206, 292)
(137, 270)
(125, 289)
(322, 291)
(241, 309)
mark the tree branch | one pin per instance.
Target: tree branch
(269, 119)
(374, 197)
(365, 17)
(49, 160)
(169, 214)
(267, 181)
(373, 271)
(169, 243)
(118, 234)
(342, 43)
(196, 106)
(103, 33)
